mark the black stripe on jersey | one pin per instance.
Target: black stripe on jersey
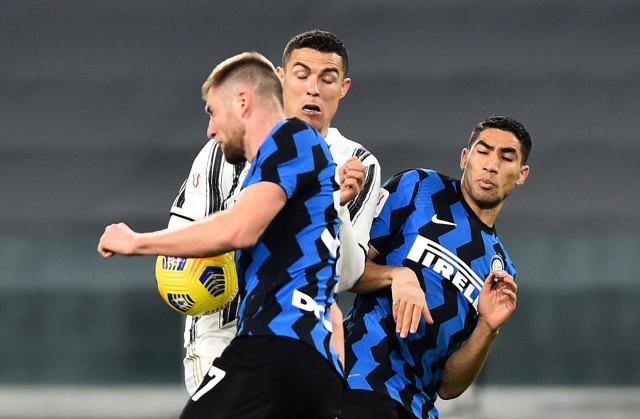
(355, 205)
(230, 311)
(215, 172)
(361, 153)
(237, 169)
(400, 215)
(283, 138)
(173, 214)
(192, 330)
(179, 202)
(442, 201)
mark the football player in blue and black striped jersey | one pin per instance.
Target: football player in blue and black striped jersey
(285, 223)
(439, 283)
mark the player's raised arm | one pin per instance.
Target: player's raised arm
(496, 304)
(235, 228)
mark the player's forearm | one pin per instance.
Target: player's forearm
(352, 256)
(209, 237)
(355, 245)
(465, 364)
(374, 277)
(238, 227)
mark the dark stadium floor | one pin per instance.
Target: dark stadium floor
(494, 402)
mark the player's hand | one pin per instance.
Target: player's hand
(497, 300)
(351, 175)
(409, 302)
(116, 239)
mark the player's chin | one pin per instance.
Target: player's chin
(312, 118)
(487, 201)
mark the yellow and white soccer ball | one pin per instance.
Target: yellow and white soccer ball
(197, 286)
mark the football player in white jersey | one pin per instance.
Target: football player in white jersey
(314, 76)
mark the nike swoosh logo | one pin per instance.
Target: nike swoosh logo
(436, 220)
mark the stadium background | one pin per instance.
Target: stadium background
(102, 116)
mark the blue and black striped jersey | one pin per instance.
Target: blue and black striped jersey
(289, 275)
(425, 225)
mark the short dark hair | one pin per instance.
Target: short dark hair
(318, 40)
(505, 123)
(250, 67)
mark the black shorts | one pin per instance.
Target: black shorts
(268, 377)
(363, 404)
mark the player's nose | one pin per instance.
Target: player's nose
(211, 130)
(312, 86)
(492, 163)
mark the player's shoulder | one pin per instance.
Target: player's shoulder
(428, 175)
(335, 138)
(209, 147)
(415, 174)
(292, 131)
(419, 176)
(207, 154)
(342, 146)
(295, 126)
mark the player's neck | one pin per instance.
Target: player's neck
(488, 216)
(324, 131)
(257, 130)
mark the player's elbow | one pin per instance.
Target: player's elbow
(450, 390)
(242, 240)
(243, 236)
(448, 394)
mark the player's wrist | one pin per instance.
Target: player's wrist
(485, 327)
(403, 275)
(141, 244)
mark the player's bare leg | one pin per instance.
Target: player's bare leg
(337, 335)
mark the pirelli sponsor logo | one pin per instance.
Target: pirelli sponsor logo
(441, 261)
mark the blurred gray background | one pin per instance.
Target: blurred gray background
(102, 117)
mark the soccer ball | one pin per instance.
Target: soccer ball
(197, 286)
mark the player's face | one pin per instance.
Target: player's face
(313, 84)
(225, 127)
(492, 168)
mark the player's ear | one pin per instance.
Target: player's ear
(346, 84)
(522, 176)
(280, 72)
(463, 158)
(243, 100)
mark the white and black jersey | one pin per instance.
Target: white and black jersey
(212, 182)
(212, 185)
(354, 244)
